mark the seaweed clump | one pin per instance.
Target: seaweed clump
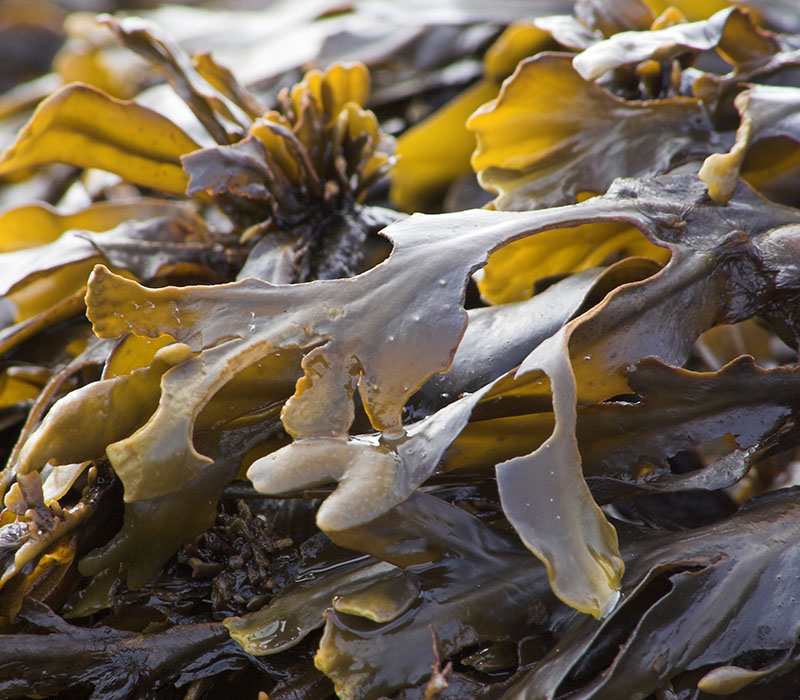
(266, 433)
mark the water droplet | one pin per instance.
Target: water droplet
(175, 314)
(442, 282)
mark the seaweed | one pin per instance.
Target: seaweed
(268, 432)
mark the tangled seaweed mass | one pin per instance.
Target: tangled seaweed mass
(268, 433)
